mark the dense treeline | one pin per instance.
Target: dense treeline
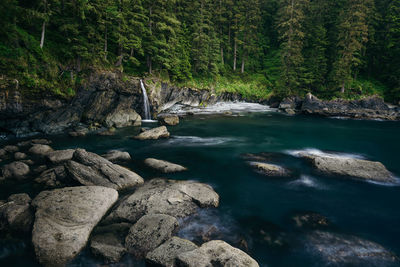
(330, 48)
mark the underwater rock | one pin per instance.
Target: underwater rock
(270, 169)
(164, 166)
(310, 220)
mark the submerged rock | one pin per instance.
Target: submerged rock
(164, 166)
(169, 120)
(215, 253)
(64, 220)
(165, 254)
(270, 169)
(16, 169)
(152, 134)
(16, 214)
(60, 156)
(310, 220)
(149, 232)
(90, 169)
(116, 155)
(159, 196)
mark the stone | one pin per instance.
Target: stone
(3, 153)
(310, 220)
(160, 196)
(108, 132)
(64, 220)
(52, 177)
(41, 141)
(163, 165)
(108, 246)
(17, 213)
(11, 149)
(215, 253)
(123, 118)
(270, 169)
(152, 134)
(116, 155)
(169, 120)
(39, 169)
(16, 169)
(60, 156)
(91, 169)
(149, 232)
(40, 150)
(165, 254)
(19, 155)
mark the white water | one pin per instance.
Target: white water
(306, 181)
(146, 104)
(317, 152)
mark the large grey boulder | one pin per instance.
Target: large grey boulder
(60, 156)
(116, 155)
(170, 120)
(40, 150)
(164, 166)
(270, 169)
(16, 169)
(149, 232)
(160, 196)
(152, 134)
(122, 118)
(215, 253)
(90, 169)
(64, 220)
(165, 254)
(16, 214)
(345, 166)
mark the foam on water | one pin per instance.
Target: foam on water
(317, 152)
(306, 181)
(198, 141)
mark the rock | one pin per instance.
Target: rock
(19, 156)
(11, 149)
(40, 150)
(108, 132)
(28, 161)
(152, 134)
(169, 120)
(52, 177)
(310, 220)
(215, 253)
(164, 166)
(344, 166)
(41, 141)
(40, 169)
(60, 156)
(64, 220)
(270, 169)
(116, 155)
(90, 169)
(16, 169)
(2, 153)
(123, 118)
(165, 254)
(149, 232)
(159, 196)
(290, 103)
(108, 246)
(346, 250)
(16, 213)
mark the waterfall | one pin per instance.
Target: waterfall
(146, 104)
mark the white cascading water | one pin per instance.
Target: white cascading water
(146, 104)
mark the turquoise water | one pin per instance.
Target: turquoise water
(211, 147)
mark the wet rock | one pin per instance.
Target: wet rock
(41, 141)
(310, 220)
(169, 120)
(40, 150)
(11, 149)
(122, 118)
(19, 156)
(52, 177)
(64, 220)
(152, 134)
(165, 254)
(164, 166)
(40, 169)
(60, 156)
(108, 246)
(215, 253)
(270, 169)
(3, 153)
(108, 132)
(16, 169)
(116, 155)
(347, 250)
(28, 161)
(16, 214)
(90, 169)
(159, 196)
(149, 232)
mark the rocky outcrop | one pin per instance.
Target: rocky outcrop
(215, 253)
(152, 134)
(159, 196)
(16, 214)
(90, 169)
(164, 166)
(169, 120)
(149, 232)
(64, 220)
(116, 155)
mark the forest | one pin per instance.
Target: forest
(342, 48)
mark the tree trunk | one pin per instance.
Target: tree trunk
(43, 33)
(149, 64)
(131, 54)
(222, 55)
(234, 55)
(342, 89)
(105, 44)
(243, 60)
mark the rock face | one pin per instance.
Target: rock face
(149, 232)
(344, 166)
(169, 120)
(60, 156)
(17, 214)
(90, 169)
(215, 253)
(64, 220)
(152, 134)
(345, 250)
(165, 254)
(270, 169)
(158, 196)
(116, 155)
(16, 169)
(164, 166)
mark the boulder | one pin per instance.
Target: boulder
(347, 250)
(159, 196)
(90, 169)
(215, 253)
(270, 169)
(52, 177)
(64, 220)
(11, 149)
(60, 156)
(3, 153)
(165, 254)
(149, 232)
(152, 134)
(123, 118)
(41, 141)
(40, 150)
(164, 166)
(116, 155)
(16, 169)
(169, 120)
(16, 213)
(39, 169)
(19, 156)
